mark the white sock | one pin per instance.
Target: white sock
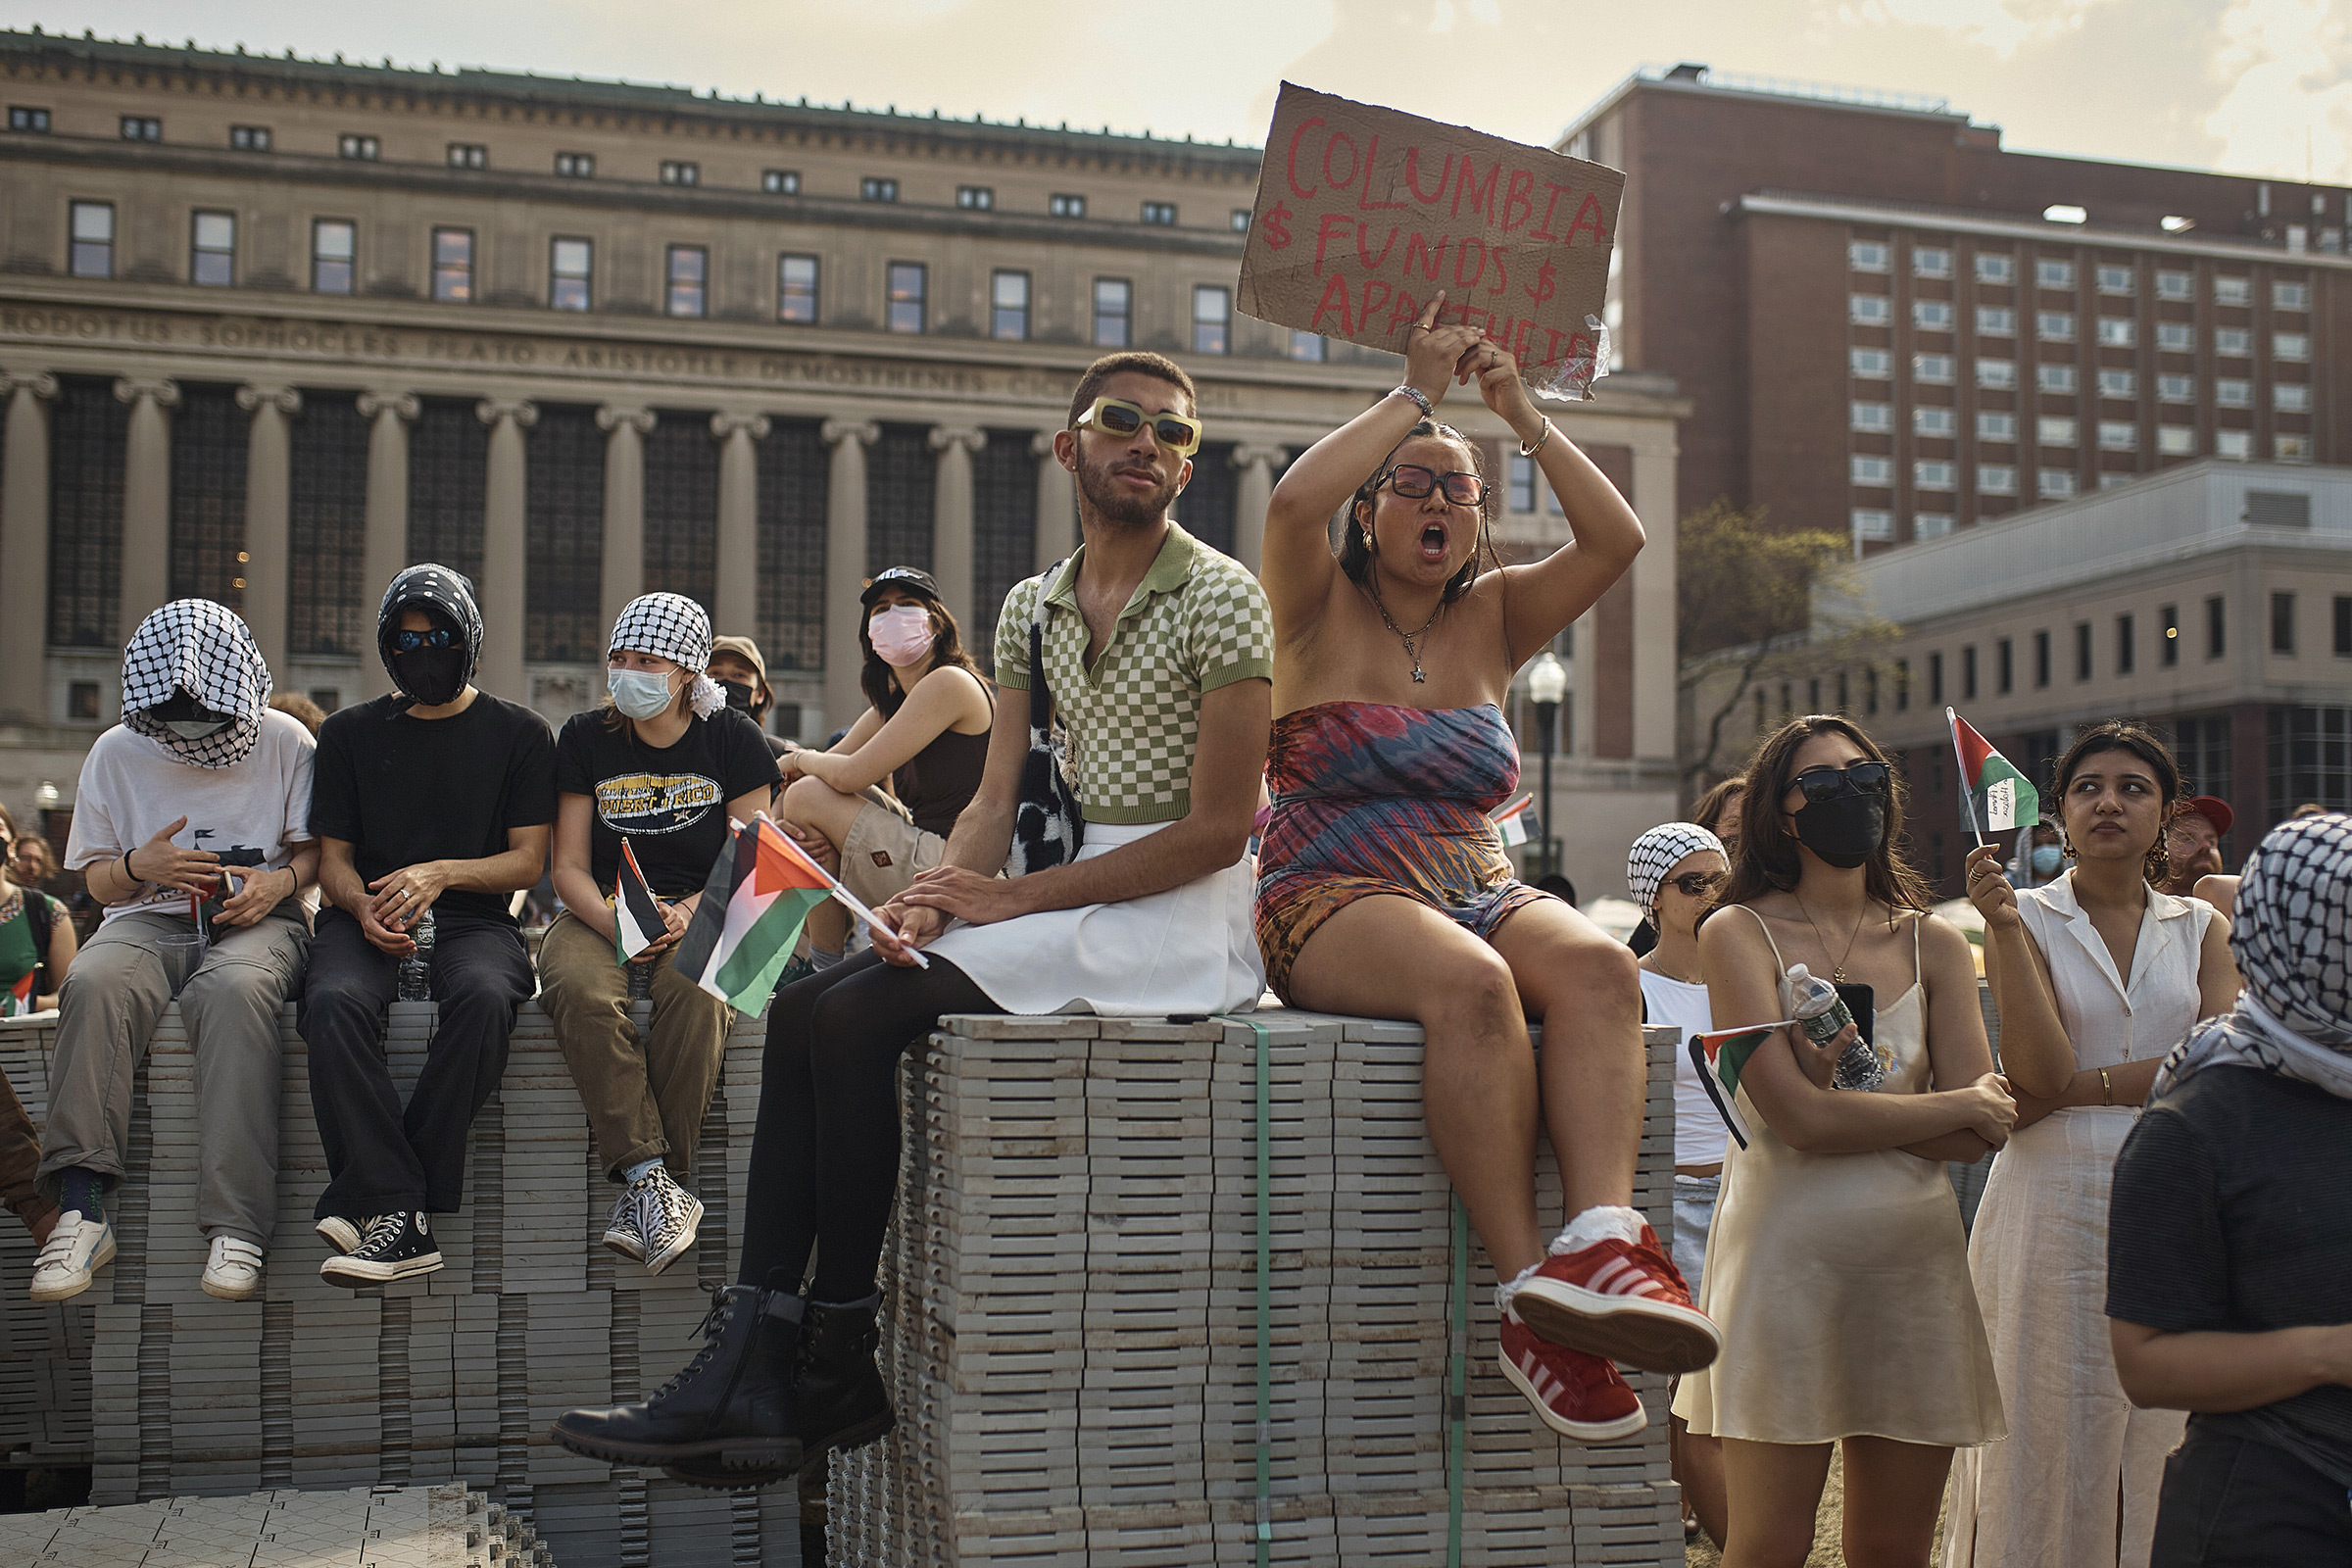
(820, 960)
(1599, 1223)
(1505, 1290)
(640, 1171)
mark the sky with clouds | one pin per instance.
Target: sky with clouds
(2250, 86)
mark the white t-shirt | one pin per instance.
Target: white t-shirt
(1698, 1131)
(132, 788)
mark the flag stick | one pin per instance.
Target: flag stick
(1967, 788)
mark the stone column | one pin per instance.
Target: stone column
(624, 504)
(268, 459)
(845, 565)
(1654, 629)
(952, 516)
(503, 602)
(146, 500)
(386, 547)
(1057, 503)
(25, 545)
(1256, 465)
(738, 604)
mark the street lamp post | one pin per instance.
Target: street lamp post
(1546, 684)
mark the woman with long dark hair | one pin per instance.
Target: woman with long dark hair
(2096, 975)
(1836, 1264)
(924, 732)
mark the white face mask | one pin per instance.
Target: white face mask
(640, 693)
(902, 634)
(195, 729)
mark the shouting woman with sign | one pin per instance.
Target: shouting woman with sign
(1383, 890)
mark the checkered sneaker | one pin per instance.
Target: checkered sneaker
(204, 649)
(674, 627)
(668, 1216)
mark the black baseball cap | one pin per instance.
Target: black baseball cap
(908, 580)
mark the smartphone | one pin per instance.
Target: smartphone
(1860, 1000)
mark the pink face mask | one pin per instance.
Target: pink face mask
(902, 634)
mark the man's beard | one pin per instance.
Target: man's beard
(1115, 502)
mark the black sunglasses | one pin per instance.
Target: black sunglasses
(407, 641)
(1821, 783)
(1694, 884)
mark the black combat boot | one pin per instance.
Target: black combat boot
(841, 1398)
(730, 1408)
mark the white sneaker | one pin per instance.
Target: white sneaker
(621, 1234)
(233, 1272)
(343, 1234)
(75, 1249)
(668, 1216)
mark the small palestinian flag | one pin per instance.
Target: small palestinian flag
(637, 922)
(17, 1000)
(2009, 800)
(1515, 821)
(759, 893)
(1720, 1059)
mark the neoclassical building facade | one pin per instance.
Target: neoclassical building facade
(273, 328)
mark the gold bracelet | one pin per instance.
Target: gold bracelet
(1527, 449)
(2108, 1084)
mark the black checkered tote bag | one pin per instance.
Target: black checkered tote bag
(1048, 826)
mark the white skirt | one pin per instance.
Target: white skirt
(1191, 950)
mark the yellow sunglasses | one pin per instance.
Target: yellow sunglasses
(1118, 417)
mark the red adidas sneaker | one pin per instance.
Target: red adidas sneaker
(1625, 1302)
(1577, 1395)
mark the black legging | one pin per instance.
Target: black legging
(826, 1157)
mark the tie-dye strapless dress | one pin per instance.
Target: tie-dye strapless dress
(1371, 798)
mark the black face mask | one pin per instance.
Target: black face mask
(1844, 829)
(739, 696)
(431, 675)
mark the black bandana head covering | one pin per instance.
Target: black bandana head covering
(204, 649)
(439, 589)
(2292, 936)
(674, 627)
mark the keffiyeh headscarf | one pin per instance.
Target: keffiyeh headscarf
(197, 646)
(1658, 851)
(436, 588)
(674, 627)
(2292, 938)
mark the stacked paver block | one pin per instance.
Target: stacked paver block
(453, 1377)
(1072, 1316)
(381, 1527)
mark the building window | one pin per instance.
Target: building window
(1930, 261)
(1967, 673)
(791, 488)
(1876, 416)
(681, 512)
(87, 430)
(1932, 369)
(2118, 333)
(1163, 214)
(1935, 679)
(2235, 341)
(1873, 524)
(1240, 219)
(1065, 205)
(687, 277)
(1997, 375)
(2176, 389)
(2115, 281)
(1932, 316)
(2055, 431)
(1995, 268)
(1523, 484)
(1996, 320)
(1212, 318)
(1308, 347)
(2216, 626)
(1113, 297)
(326, 529)
(213, 250)
(2311, 757)
(249, 138)
(2290, 296)
(1930, 475)
(1997, 479)
(2082, 650)
(1868, 255)
(1902, 685)
(907, 286)
(2233, 392)
(93, 242)
(2232, 291)
(2126, 647)
(2175, 286)
(2291, 447)
(1931, 525)
(23, 117)
(1009, 306)
(576, 165)
(453, 265)
(1873, 470)
(2237, 444)
(795, 289)
(2169, 645)
(563, 528)
(2177, 440)
(1870, 310)
(1935, 421)
(469, 154)
(2054, 378)
(1996, 426)
(352, 145)
(2118, 436)
(780, 181)
(2055, 484)
(142, 127)
(2282, 625)
(675, 172)
(2292, 347)
(334, 248)
(2343, 626)
(2054, 326)
(570, 269)
(872, 189)
(2291, 397)
(2173, 337)
(1870, 364)
(976, 198)
(2054, 274)
(2004, 653)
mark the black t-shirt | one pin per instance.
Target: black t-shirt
(670, 800)
(403, 790)
(2232, 1212)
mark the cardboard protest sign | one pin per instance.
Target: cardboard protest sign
(1364, 213)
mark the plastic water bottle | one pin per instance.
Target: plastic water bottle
(1822, 1013)
(416, 970)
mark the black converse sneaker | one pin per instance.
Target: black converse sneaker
(343, 1234)
(395, 1247)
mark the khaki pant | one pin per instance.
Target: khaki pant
(645, 1097)
(20, 1159)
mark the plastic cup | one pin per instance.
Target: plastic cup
(182, 953)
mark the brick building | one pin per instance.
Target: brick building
(1888, 323)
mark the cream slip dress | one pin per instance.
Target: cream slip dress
(2079, 1456)
(1840, 1282)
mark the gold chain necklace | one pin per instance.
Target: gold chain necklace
(1838, 969)
(1406, 637)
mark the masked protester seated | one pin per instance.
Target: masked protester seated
(741, 671)
(191, 825)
